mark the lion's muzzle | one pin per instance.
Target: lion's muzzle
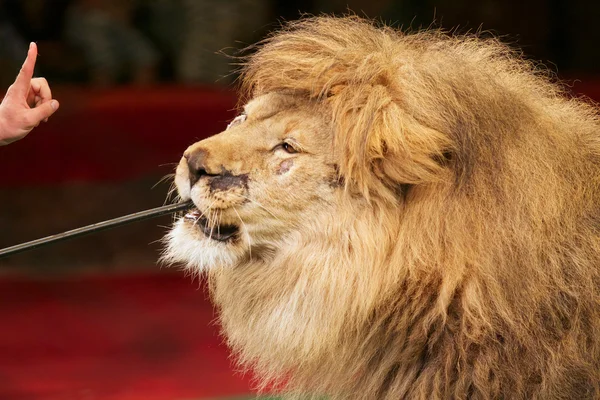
(220, 180)
(204, 177)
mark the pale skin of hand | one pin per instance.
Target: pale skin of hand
(27, 102)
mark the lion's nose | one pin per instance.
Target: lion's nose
(196, 161)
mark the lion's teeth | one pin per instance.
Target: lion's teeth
(194, 215)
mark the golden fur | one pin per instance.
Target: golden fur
(435, 234)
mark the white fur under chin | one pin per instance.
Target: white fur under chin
(197, 252)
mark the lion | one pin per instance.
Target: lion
(400, 216)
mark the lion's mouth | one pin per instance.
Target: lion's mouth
(220, 233)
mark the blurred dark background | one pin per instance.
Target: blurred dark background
(139, 81)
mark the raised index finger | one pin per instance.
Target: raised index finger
(21, 85)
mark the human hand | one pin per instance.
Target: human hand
(27, 102)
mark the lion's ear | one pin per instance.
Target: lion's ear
(380, 145)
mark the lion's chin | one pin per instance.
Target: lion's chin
(193, 244)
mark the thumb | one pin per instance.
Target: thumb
(43, 111)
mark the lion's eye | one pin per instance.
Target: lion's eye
(237, 120)
(288, 148)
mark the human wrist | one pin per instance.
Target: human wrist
(7, 135)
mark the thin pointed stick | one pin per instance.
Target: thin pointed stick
(100, 226)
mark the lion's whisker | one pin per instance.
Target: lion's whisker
(163, 179)
(263, 207)
(210, 220)
(219, 215)
(172, 190)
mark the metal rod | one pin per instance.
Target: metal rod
(100, 226)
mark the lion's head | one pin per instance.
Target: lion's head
(401, 216)
(270, 173)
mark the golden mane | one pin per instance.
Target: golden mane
(462, 259)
